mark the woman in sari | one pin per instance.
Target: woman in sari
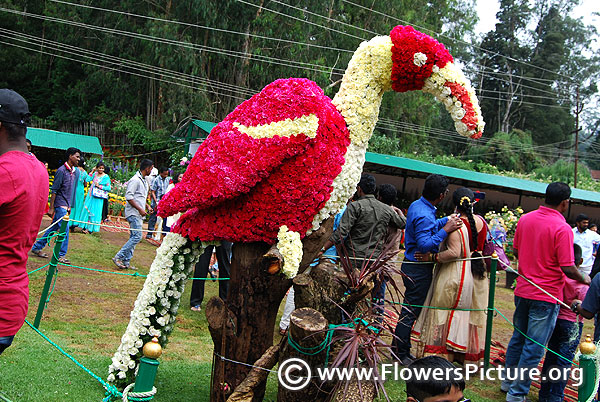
(92, 208)
(78, 195)
(457, 283)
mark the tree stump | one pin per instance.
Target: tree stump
(323, 289)
(353, 393)
(308, 330)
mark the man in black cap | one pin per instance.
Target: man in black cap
(23, 199)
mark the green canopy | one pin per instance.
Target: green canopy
(41, 137)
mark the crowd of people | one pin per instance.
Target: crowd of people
(443, 264)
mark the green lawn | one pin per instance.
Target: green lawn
(88, 313)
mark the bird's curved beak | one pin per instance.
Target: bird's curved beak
(450, 86)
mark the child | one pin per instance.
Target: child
(564, 339)
(426, 389)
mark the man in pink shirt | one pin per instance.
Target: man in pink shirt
(564, 340)
(23, 199)
(543, 244)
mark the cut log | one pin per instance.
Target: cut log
(256, 377)
(308, 331)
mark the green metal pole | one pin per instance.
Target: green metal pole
(588, 376)
(490, 311)
(587, 364)
(144, 382)
(51, 271)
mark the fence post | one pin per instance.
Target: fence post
(144, 381)
(51, 270)
(490, 312)
(587, 362)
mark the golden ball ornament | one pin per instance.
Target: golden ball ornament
(152, 349)
(587, 347)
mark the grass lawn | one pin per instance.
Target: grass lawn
(89, 311)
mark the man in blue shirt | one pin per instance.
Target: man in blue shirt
(423, 234)
(60, 202)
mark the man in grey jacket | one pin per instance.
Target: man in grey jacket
(135, 210)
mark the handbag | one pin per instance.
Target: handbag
(99, 193)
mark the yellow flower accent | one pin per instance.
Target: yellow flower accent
(306, 125)
(290, 247)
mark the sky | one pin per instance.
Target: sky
(487, 9)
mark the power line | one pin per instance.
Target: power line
(273, 60)
(204, 27)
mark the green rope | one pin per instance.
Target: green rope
(4, 398)
(35, 270)
(111, 389)
(102, 270)
(314, 350)
(47, 238)
(326, 344)
(533, 340)
(434, 307)
(135, 273)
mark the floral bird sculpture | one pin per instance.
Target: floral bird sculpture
(280, 164)
(289, 157)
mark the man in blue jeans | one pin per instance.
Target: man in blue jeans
(423, 234)
(135, 210)
(543, 243)
(61, 200)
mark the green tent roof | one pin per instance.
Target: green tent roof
(194, 130)
(41, 137)
(485, 179)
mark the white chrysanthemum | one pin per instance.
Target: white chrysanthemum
(290, 247)
(420, 59)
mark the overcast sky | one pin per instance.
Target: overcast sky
(487, 10)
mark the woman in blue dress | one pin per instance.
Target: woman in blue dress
(79, 195)
(92, 208)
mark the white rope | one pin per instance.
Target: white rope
(509, 269)
(119, 227)
(127, 394)
(52, 224)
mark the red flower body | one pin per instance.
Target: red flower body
(243, 189)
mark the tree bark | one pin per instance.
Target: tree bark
(323, 287)
(245, 328)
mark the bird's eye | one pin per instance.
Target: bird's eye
(420, 59)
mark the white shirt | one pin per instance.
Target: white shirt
(586, 241)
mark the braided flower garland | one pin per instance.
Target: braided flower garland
(156, 306)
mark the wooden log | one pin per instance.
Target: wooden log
(256, 377)
(323, 289)
(308, 330)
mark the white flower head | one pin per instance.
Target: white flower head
(420, 59)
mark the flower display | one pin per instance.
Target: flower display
(290, 247)
(421, 62)
(156, 306)
(271, 162)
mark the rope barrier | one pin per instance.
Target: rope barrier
(53, 223)
(533, 340)
(37, 269)
(111, 390)
(119, 227)
(562, 303)
(432, 307)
